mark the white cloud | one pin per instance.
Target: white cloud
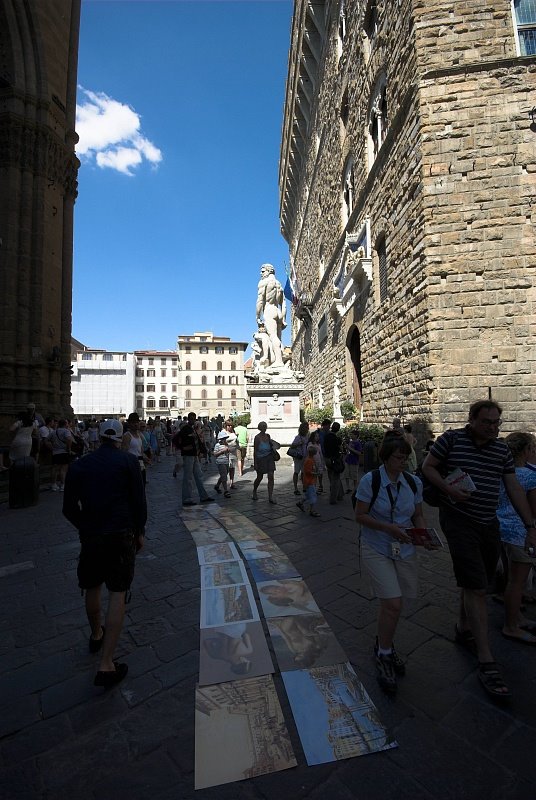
(109, 131)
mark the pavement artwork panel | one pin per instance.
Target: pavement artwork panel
(240, 727)
(62, 737)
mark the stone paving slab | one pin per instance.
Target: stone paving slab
(60, 735)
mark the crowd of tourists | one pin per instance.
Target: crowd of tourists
(483, 486)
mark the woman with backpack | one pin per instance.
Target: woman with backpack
(389, 501)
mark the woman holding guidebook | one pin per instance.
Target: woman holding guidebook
(389, 501)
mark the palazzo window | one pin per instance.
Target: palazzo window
(219, 366)
(204, 394)
(219, 380)
(151, 403)
(219, 394)
(203, 380)
(203, 349)
(233, 394)
(188, 394)
(173, 402)
(151, 362)
(525, 20)
(348, 191)
(163, 373)
(187, 380)
(188, 365)
(107, 357)
(233, 350)
(87, 356)
(377, 121)
(203, 365)
(383, 278)
(151, 387)
(219, 351)
(163, 403)
(139, 387)
(151, 373)
(139, 373)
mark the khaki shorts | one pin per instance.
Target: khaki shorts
(390, 577)
(518, 554)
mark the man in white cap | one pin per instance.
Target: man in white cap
(105, 500)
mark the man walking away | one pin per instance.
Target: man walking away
(190, 447)
(105, 500)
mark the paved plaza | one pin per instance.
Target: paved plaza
(62, 737)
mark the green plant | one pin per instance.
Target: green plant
(242, 419)
(316, 415)
(348, 410)
(366, 432)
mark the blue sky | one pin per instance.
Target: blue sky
(180, 116)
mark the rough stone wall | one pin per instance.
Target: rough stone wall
(38, 169)
(452, 190)
(479, 170)
(393, 334)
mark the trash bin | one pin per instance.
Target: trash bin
(23, 483)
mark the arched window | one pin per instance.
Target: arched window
(219, 394)
(203, 365)
(162, 403)
(219, 380)
(204, 380)
(151, 402)
(188, 394)
(348, 190)
(188, 365)
(233, 394)
(377, 120)
(233, 364)
(383, 277)
(204, 394)
(173, 402)
(219, 366)
(187, 380)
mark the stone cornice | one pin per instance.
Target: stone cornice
(478, 66)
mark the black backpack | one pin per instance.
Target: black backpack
(431, 494)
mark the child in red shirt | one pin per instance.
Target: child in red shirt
(309, 482)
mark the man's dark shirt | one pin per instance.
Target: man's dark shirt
(104, 492)
(332, 445)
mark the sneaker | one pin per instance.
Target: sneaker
(207, 500)
(314, 513)
(386, 673)
(227, 494)
(188, 503)
(55, 487)
(300, 505)
(399, 666)
(217, 489)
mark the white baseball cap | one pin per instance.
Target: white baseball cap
(223, 435)
(111, 429)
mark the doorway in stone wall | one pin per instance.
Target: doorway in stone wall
(353, 343)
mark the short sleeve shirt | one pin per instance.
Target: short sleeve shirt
(486, 464)
(512, 528)
(400, 511)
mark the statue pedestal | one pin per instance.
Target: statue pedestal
(277, 404)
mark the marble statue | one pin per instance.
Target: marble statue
(271, 311)
(336, 398)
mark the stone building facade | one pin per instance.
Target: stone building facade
(38, 184)
(213, 378)
(407, 186)
(102, 384)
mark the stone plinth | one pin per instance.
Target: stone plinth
(277, 404)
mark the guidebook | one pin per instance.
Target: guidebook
(426, 537)
(460, 480)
